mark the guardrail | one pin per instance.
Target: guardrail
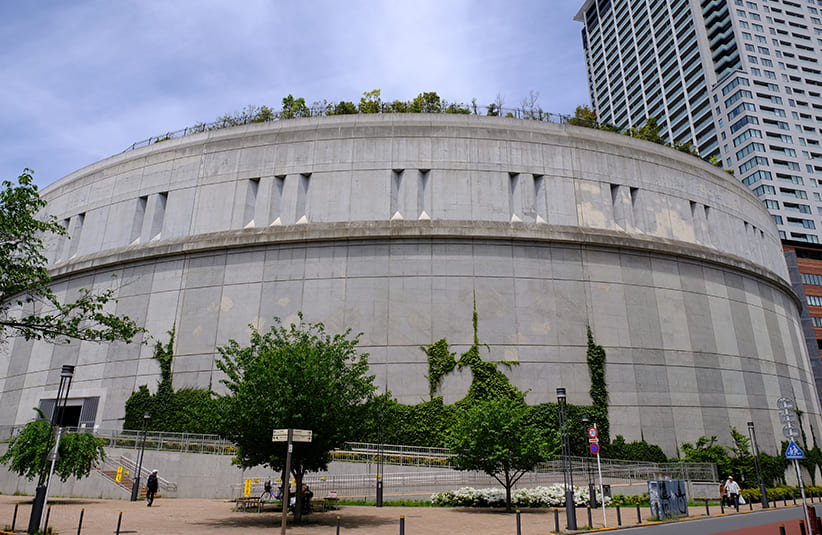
(532, 114)
(393, 454)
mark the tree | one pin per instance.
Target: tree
(371, 102)
(429, 102)
(494, 436)
(584, 116)
(296, 377)
(29, 448)
(28, 306)
(294, 108)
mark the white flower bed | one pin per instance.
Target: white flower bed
(553, 496)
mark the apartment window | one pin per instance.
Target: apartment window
(756, 177)
(764, 189)
(812, 279)
(815, 300)
(771, 204)
(817, 322)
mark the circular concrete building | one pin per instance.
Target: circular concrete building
(393, 225)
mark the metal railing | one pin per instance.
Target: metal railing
(535, 114)
(393, 454)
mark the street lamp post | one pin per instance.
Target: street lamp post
(592, 493)
(41, 493)
(567, 468)
(763, 492)
(135, 488)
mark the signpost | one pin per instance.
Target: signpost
(793, 453)
(594, 445)
(290, 436)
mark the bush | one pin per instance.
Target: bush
(553, 496)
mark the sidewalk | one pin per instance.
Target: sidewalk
(197, 516)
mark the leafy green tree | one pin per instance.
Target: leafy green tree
(294, 108)
(429, 102)
(342, 108)
(494, 436)
(584, 116)
(371, 102)
(28, 450)
(28, 306)
(707, 450)
(294, 377)
(649, 131)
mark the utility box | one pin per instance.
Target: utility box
(668, 498)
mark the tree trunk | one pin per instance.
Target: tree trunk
(298, 505)
(507, 491)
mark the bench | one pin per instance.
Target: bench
(244, 503)
(330, 503)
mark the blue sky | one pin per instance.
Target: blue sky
(83, 80)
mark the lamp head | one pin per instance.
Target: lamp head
(561, 394)
(147, 416)
(67, 371)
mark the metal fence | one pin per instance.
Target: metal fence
(395, 455)
(534, 114)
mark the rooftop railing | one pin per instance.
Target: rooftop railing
(533, 114)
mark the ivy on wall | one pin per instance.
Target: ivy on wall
(440, 363)
(599, 389)
(188, 410)
(487, 382)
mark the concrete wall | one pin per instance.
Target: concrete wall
(392, 225)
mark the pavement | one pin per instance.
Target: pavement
(199, 516)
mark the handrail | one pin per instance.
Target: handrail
(395, 454)
(535, 114)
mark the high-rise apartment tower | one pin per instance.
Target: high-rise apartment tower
(740, 79)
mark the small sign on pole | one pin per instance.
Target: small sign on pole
(794, 452)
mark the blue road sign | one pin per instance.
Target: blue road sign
(793, 451)
(595, 448)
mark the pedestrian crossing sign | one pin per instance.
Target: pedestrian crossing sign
(793, 451)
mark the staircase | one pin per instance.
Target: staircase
(109, 468)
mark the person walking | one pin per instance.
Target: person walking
(151, 488)
(733, 489)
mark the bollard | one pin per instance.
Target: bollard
(338, 525)
(80, 523)
(590, 522)
(619, 516)
(750, 504)
(402, 524)
(722, 506)
(46, 524)
(638, 515)
(519, 524)
(119, 520)
(793, 497)
(707, 509)
(14, 517)
(801, 527)
(556, 520)
(781, 529)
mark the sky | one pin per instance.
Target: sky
(81, 81)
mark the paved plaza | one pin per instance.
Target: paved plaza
(197, 516)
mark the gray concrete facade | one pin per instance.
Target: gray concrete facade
(393, 224)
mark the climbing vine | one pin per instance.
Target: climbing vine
(487, 381)
(440, 363)
(599, 389)
(187, 410)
